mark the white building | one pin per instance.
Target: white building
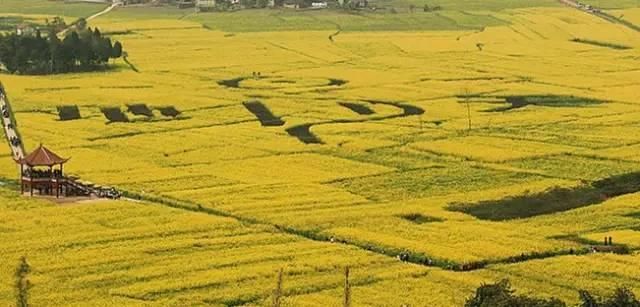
(319, 5)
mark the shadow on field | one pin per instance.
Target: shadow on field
(553, 200)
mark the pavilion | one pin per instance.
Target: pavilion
(42, 170)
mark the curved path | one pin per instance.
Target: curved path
(115, 4)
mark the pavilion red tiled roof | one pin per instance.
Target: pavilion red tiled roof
(42, 156)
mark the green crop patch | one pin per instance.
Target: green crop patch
(357, 108)
(303, 134)
(430, 181)
(68, 112)
(418, 218)
(520, 101)
(140, 109)
(264, 115)
(169, 111)
(600, 44)
(231, 83)
(553, 200)
(114, 115)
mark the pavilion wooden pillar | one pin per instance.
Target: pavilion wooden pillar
(61, 178)
(58, 184)
(50, 183)
(21, 178)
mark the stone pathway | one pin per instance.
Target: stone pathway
(10, 127)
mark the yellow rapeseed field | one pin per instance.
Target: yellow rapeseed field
(390, 142)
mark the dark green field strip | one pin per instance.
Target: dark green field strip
(263, 114)
(521, 101)
(576, 167)
(553, 200)
(600, 44)
(432, 181)
(304, 134)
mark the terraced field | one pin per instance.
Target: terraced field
(264, 144)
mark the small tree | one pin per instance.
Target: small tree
(466, 95)
(81, 24)
(621, 297)
(116, 51)
(500, 294)
(22, 283)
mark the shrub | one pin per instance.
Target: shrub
(83, 49)
(500, 294)
(419, 218)
(622, 297)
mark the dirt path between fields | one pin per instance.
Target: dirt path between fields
(96, 15)
(10, 126)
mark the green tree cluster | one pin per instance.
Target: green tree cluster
(83, 49)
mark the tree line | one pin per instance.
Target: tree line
(501, 294)
(34, 52)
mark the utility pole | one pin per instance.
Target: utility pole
(466, 93)
(347, 289)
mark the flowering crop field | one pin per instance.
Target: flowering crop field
(386, 131)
